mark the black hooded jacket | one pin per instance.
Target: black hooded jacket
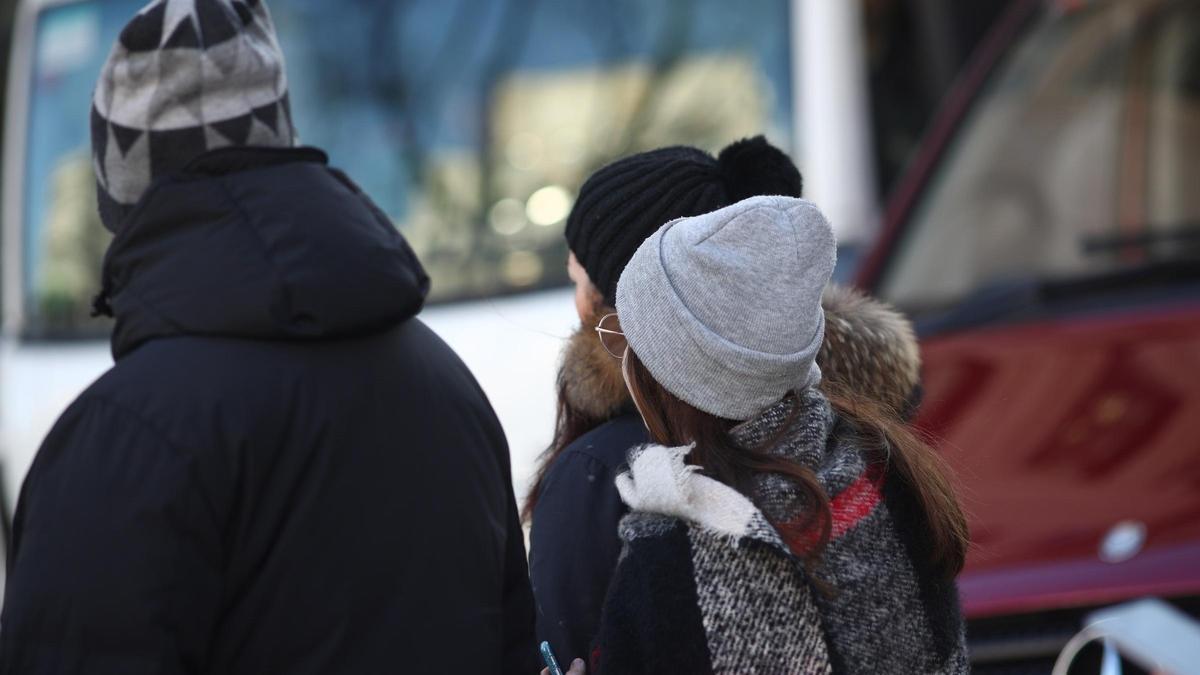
(285, 471)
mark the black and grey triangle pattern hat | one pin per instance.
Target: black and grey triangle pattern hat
(185, 77)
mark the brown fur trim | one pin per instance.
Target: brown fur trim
(591, 377)
(869, 347)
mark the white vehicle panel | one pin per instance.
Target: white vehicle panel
(510, 344)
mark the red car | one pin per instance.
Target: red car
(1046, 241)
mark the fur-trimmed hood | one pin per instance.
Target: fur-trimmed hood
(869, 348)
(590, 378)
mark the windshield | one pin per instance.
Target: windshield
(471, 122)
(1082, 157)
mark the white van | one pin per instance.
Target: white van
(471, 122)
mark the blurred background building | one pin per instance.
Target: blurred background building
(474, 122)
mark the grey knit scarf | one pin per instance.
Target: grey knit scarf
(874, 618)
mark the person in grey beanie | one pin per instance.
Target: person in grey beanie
(775, 525)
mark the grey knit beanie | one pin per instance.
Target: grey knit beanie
(724, 309)
(185, 77)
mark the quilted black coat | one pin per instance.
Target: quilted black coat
(285, 471)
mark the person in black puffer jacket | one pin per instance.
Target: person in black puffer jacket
(285, 471)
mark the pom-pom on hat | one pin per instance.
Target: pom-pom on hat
(185, 77)
(626, 201)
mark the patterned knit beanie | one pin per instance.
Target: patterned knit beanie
(185, 77)
(625, 202)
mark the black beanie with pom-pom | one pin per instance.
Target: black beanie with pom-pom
(626, 201)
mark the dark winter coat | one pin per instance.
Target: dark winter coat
(574, 545)
(573, 542)
(707, 585)
(285, 471)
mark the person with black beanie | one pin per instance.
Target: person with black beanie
(574, 505)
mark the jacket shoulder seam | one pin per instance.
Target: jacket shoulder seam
(578, 447)
(573, 451)
(559, 468)
(144, 422)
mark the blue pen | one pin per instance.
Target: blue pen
(549, 660)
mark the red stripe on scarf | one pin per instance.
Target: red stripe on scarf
(849, 508)
(857, 501)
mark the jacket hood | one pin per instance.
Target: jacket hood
(261, 244)
(868, 347)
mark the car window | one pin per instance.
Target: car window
(471, 122)
(1081, 156)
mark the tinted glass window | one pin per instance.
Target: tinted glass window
(1081, 157)
(471, 122)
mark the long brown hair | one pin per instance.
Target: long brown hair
(572, 421)
(907, 457)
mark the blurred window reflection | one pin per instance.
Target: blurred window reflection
(471, 122)
(1082, 156)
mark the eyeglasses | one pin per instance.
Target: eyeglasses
(609, 330)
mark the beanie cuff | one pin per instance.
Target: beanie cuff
(698, 366)
(112, 212)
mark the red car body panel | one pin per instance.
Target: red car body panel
(1165, 571)
(1059, 430)
(1061, 427)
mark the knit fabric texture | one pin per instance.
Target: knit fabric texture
(757, 609)
(724, 309)
(878, 619)
(626, 201)
(185, 77)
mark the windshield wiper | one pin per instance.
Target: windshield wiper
(1188, 234)
(1017, 300)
